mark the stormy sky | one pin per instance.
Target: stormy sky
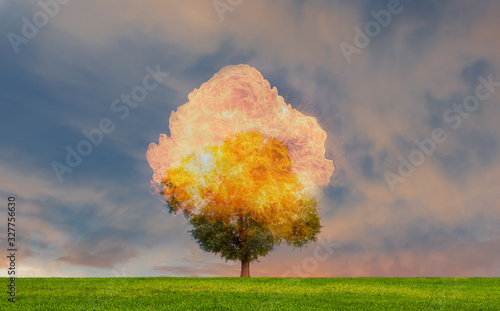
(408, 92)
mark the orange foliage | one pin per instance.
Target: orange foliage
(247, 176)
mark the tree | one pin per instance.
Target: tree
(242, 198)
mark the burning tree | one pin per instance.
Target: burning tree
(243, 167)
(242, 198)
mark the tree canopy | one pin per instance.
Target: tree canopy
(242, 197)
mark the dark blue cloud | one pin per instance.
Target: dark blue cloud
(207, 65)
(74, 221)
(427, 13)
(455, 164)
(101, 249)
(471, 72)
(339, 195)
(484, 145)
(367, 167)
(363, 159)
(404, 145)
(343, 193)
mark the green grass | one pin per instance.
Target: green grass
(254, 294)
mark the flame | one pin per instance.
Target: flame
(246, 175)
(237, 99)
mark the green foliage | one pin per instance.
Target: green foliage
(246, 239)
(245, 242)
(307, 226)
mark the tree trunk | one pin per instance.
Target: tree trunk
(245, 269)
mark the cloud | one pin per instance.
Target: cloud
(101, 249)
(441, 220)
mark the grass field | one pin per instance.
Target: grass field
(254, 294)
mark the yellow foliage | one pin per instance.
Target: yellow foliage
(247, 176)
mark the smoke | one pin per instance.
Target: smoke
(238, 99)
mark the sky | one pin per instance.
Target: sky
(407, 91)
